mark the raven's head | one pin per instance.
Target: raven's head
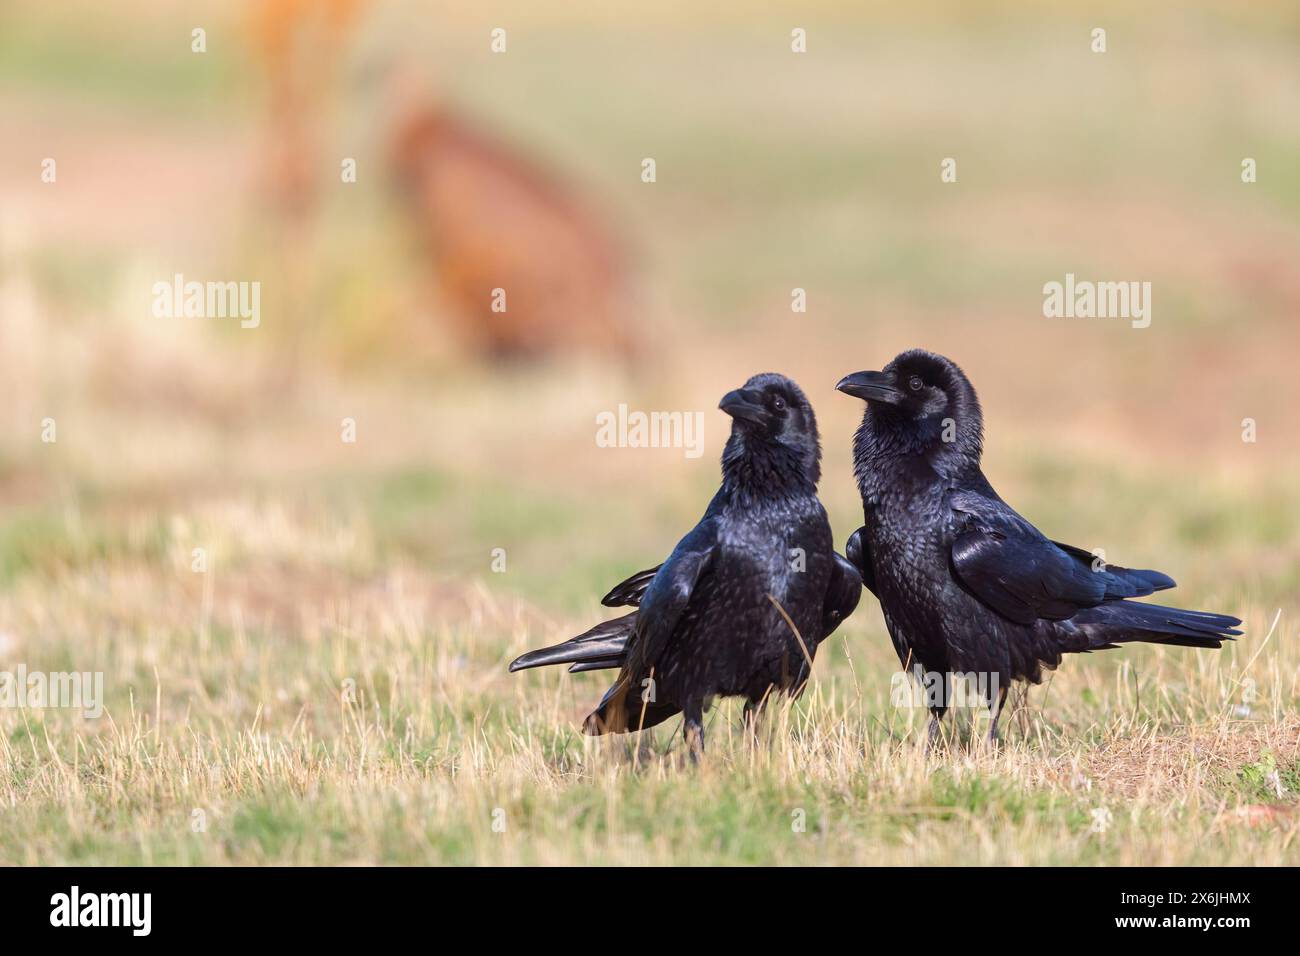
(773, 426)
(919, 403)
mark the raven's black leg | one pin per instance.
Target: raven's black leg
(932, 737)
(938, 696)
(693, 731)
(753, 709)
(995, 711)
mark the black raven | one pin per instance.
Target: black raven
(741, 604)
(968, 586)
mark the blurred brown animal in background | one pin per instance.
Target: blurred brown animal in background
(525, 267)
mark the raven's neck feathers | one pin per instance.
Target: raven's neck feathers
(754, 470)
(951, 444)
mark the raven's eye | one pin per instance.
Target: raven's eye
(915, 383)
(778, 403)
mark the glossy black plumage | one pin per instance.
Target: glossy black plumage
(707, 622)
(967, 585)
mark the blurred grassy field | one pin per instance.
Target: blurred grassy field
(369, 563)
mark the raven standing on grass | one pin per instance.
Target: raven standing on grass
(741, 604)
(968, 586)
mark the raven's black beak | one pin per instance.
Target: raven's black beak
(870, 387)
(744, 405)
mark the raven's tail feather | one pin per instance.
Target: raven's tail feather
(603, 664)
(1121, 622)
(605, 645)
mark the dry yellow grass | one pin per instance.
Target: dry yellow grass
(288, 706)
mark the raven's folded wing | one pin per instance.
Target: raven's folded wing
(859, 554)
(843, 591)
(663, 602)
(1009, 565)
(668, 594)
(1141, 582)
(630, 592)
